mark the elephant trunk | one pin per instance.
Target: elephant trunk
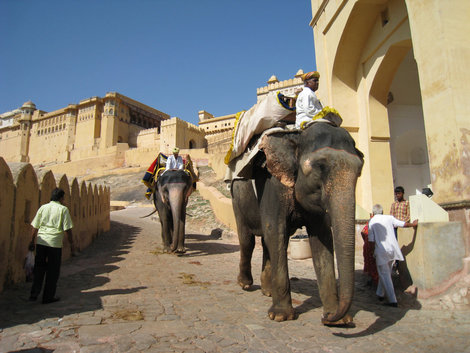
(342, 207)
(176, 199)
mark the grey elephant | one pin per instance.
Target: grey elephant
(307, 179)
(171, 195)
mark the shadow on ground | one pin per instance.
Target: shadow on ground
(364, 300)
(79, 276)
(204, 245)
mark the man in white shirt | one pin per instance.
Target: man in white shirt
(174, 161)
(386, 250)
(307, 104)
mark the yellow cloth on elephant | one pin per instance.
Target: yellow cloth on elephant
(321, 115)
(263, 115)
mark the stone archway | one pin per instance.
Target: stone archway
(192, 144)
(408, 146)
(395, 100)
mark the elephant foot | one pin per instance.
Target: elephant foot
(266, 291)
(166, 250)
(281, 314)
(266, 285)
(345, 321)
(245, 281)
(180, 251)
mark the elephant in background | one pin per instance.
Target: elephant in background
(170, 198)
(307, 179)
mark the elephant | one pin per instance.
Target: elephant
(305, 178)
(170, 198)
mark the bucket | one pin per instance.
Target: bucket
(300, 248)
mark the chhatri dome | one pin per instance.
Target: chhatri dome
(273, 79)
(28, 104)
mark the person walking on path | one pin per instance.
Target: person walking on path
(49, 225)
(386, 250)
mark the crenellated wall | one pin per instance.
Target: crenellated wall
(23, 192)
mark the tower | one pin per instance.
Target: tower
(25, 129)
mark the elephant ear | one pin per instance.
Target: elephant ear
(281, 156)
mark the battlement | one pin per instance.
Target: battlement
(287, 85)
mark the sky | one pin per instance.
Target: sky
(177, 56)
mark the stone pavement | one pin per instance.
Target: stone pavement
(123, 295)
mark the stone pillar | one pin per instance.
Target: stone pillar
(444, 90)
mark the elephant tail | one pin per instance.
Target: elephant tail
(155, 210)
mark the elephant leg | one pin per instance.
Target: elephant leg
(182, 225)
(165, 221)
(247, 244)
(276, 244)
(166, 236)
(323, 261)
(180, 249)
(176, 203)
(266, 286)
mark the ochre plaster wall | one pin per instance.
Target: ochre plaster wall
(359, 47)
(444, 88)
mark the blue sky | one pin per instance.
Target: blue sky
(178, 56)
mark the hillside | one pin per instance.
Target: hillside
(128, 187)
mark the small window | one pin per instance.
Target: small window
(385, 17)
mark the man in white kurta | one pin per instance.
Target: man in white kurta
(174, 161)
(387, 250)
(307, 104)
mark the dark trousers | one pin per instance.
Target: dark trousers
(46, 264)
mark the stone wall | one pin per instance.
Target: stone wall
(221, 205)
(23, 192)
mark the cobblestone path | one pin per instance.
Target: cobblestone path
(123, 295)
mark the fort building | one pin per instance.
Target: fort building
(219, 129)
(95, 128)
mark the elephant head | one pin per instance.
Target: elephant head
(322, 165)
(170, 198)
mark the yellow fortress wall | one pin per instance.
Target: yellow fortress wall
(22, 194)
